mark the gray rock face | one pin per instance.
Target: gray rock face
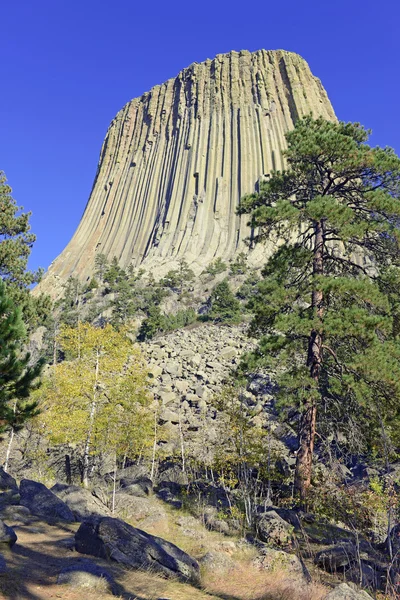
(141, 487)
(43, 503)
(114, 539)
(7, 483)
(8, 489)
(7, 534)
(177, 160)
(335, 558)
(86, 575)
(81, 502)
(345, 592)
(273, 529)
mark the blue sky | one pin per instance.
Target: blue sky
(69, 66)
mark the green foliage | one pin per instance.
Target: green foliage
(100, 266)
(224, 307)
(114, 274)
(239, 266)
(249, 286)
(16, 242)
(157, 322)
(322, 316)
(99, 397)
(216, 267)
(17, 377)
(178, 280)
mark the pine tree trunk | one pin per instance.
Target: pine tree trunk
(314, 361)
(85, 474)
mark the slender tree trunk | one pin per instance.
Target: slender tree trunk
(85, 475)
(114, 484)
(9, 445)
(314, 361)
(153, 460)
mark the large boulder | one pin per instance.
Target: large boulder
(8, 489)
(81, 501)
(86, 575)
(114, 539)
(336, 558)
(345, 592)
(272, 529)
(43, 503)
(7, 535)
(141, 486)
(271, 559)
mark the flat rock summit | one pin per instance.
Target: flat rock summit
(176, 162)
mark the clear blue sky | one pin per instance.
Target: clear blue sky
(67, 67)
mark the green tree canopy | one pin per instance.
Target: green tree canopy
(16, 242)
(320, 312)
(17, 377)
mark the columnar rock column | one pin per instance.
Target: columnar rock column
(176, 161)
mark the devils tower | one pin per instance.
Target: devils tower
(176, 161)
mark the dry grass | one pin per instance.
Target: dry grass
(247, 582)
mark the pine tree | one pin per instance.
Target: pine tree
(17, 377)
(224, 307)
(319, 310)
(16, 242)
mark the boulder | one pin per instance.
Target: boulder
(7, 483)
(8, 489)
(17, 513)
(114, 539)
(336, 558)
(272, 560)
(217, 561)
(7, 535)
(141, 487)
(167, 496)
(81, 501)
(43, 503)
(345, 592)
(273, 529)
(214, 522)
(85, 574)
(146, 512)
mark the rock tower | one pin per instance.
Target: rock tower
(176, 161)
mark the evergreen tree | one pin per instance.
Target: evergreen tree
(319, 310)
(100, 266)
(17, 377)
(16, 242)
(224, 307)
(179, 279)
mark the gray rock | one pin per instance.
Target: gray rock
(7, 535)
(167, 496)
(140, 487)
(336, 557)
(7, 483)
(395, 539)
(43, 503)
(85, 574)
(16, 513)
(81, 501)
(273, 529)
(345, 592)
(217, 561)
(271, 560)
(214, 523)
(116, 540)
